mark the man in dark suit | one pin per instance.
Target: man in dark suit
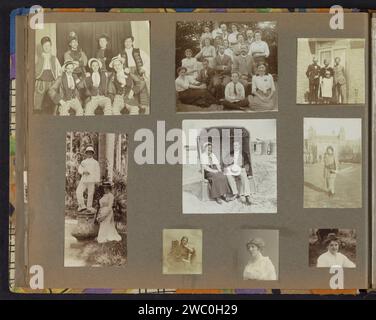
(206, 75)
(222, 66)
(313, 75)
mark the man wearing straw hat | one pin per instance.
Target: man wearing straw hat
(90, 175)
(96, 89)
(64, 91)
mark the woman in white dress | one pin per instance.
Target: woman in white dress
(259, 267)
(190, 63)
(107, 230)
(207, 52)
(233, 36)
(326, 86)
(333, 257)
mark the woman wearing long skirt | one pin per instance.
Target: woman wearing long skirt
(107, 230)
(263, 89)
(219, 186)
(192, 92)
(330, 170)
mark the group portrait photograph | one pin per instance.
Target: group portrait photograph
(92, 68)
(226, 66)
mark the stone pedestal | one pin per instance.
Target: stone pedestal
(86, 229)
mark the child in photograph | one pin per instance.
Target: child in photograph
(333, 257)
(90, 175)
(259, 267)
(107, 230)
(235, 94)
(326, 86)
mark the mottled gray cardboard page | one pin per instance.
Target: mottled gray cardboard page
(154, 191)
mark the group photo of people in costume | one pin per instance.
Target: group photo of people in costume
(226, 66)
(100, 68)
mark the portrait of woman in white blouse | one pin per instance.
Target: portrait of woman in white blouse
(259, 267)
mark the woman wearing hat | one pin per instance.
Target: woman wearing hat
(332, 257)
(104, 53)
(96, 89)
(259, 267)
(64, 91)
(76, 54)
(219, 188)
(47, 70)
(90, 175)
(107, 230)
(121, 89)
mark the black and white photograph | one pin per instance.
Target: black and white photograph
(96, 199)
(331, 71)
(92, 68)
(332, 247)
(182, 251)
(230, 166)
(259, 254)
(332, 163)
(226, 66)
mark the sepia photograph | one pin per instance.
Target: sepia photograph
(182, 251)
(332, 163)
(259, 254)
(332, 247)
(331, 71)
(96, 199)
(226, 66)
(92, 68)
(230, 166)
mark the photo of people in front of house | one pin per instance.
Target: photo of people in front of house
(230, 166)
(226, 66)
(331, 71)
(96, 199)
(332, 163)
(92, 68)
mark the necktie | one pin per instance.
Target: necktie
(235, 92)
(70, 82)
(96, 79)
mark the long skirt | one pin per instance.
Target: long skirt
(256, 104)
(197, 97)
(219, 184)
(330, 179)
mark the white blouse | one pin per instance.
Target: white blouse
(327, 260)
(261, 269)
(263, 83)
(259, 48)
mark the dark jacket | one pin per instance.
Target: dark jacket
(313, 72)
(60, 91)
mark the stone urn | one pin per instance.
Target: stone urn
(86, 228)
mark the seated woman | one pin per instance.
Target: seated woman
(192, 92)
(191, 64)
(259, 267)
(207, 52)
(181, 256)
(107, 230)
(263, 89)
(333, 257)
(219, 187)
